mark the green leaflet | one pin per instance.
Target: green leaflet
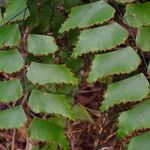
(125, 91)
(16, 10)
(82, 114)
(125, 1)
(9, 35)
(50, 130)
(97, 39)
(41, 102)
(88, 15)
(137, 15)
(12, 118)
(57, 19)
(113, 63)
(50, 73)
(10, 90)
(41, 44)
(10, 61)
(143, 38)
(141, 141)
(134, 119)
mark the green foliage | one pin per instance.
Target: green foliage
(12, 118)
(14, 8)
(31, 64)
(113, 63)
(50, 73)
(125, 1)
(96, 13)
(142, 141)
(143, 38)
(126, 90)
(41, 102)
(82, 113)
(50, 130)
(97, 39)
(9, 36)
(41, 44)
(137, 15)
(7, 63)
(134, 119)
(13, 88)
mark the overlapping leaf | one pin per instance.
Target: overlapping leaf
(143, 38)
(134, 119)
(113, 63)
(50, 73)
(48, 130)
(82, 113)
(88, 15)
(10, 61)
(137, 15)
(141, 141)
(41, 102)
(9, 35)
(132, 89)
(10, 90)
(41, 44)
(97, 39)
(15, 10)
(12, 118)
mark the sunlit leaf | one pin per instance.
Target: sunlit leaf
(9, 35)
(142, 141)
(10, 61)
(113, 63)
(97, 39)
(131, 89)
(10, 90)
(50, 73)
(134, 119)
(41, 102)
(143, 38)
(48, 130)
(12, 118)
(88, 15)
(137, 14)
(16, 10)
(41, 44)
